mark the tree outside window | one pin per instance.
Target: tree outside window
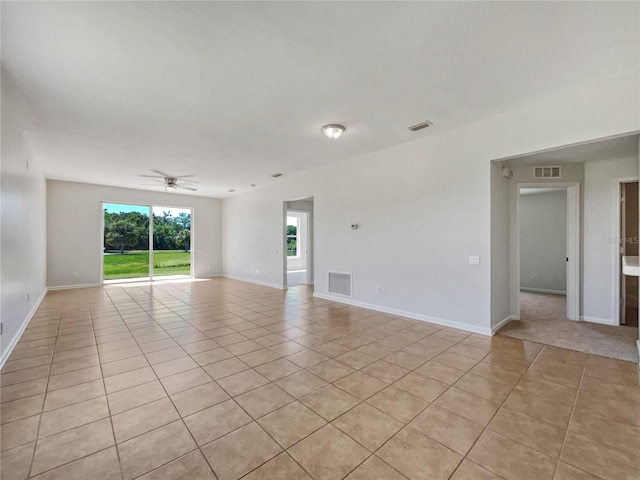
(292, 236)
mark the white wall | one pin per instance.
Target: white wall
(423, 209)
(74, 216)
(600, 234)
(252, 228)
(23, 222)
(543, 242)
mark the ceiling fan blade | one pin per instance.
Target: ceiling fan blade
(183, 180)
(150, 176)
(187, 188)
(185, 176)
(161, 173)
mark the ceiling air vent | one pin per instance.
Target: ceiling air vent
(420, 126)
(340, 283)
(546, 172)
(276, 175)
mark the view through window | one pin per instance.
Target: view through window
(126, 237)
(292, 236)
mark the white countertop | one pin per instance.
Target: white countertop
(630, 266)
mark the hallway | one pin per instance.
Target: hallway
(543, 321)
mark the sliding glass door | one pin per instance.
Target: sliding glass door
(145, 242)
(171, 241)
(126, 241)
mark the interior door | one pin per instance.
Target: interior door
(628, 247)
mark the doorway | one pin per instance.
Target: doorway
(298, 251)
(144, 242)
(628, 221)
(543, 250)
(547, 260)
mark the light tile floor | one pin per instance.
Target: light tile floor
(222, 379)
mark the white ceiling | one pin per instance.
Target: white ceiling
(235, 91)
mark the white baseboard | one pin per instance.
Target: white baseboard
(543, 290)
(402, 313)
(67, 287)
(603, 321)
(501, 323)
(213, 275)
(256, 282)
(23, 327)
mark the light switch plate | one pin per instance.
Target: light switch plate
(474, 260)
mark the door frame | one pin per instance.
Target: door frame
(310, 239)
(573, 245)
(191, 250)
(150, 206)
(616, 243)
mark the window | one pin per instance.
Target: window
(292, 236)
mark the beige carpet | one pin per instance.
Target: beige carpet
(543, 320)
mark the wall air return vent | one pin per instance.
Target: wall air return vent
(546, 172)
(340, 283)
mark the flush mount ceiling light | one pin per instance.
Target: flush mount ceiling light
(333, 131)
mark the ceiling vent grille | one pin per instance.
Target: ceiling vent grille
(340, 283)
(546, 172)
(419, 126)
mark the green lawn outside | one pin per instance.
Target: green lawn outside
(135, 264)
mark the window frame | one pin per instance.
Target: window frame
(296, 236)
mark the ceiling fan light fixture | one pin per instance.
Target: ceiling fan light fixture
(333, 131)
(170, 188)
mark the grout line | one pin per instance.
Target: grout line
(140, 298)
(180, 419)
(486, 427)
(106, 399)
(573, 409)
(406, 424)
(44, 399)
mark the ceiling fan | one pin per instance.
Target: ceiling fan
(170, 182)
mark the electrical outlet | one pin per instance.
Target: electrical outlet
(378, 290)
(28, 297)
(76, 274)
(474, 260)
